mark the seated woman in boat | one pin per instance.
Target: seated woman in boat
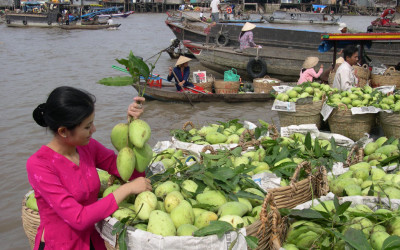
(307, 73)
(246, 36)
(181, 73)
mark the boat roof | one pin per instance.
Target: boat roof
(280, 28)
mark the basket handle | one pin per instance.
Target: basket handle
(390, 69)
(271, 224)
(307, 167)
(187, 124)
(365, 66)
(274, 131)
(343, 106)
(359, 155)
(210, 148)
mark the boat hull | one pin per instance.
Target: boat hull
(169, 94)
(90, 27)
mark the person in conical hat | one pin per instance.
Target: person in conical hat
(307, 73)
(342, 28)
(246, 36)
(181, 73)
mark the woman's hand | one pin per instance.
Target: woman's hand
(135, 109)
(140, 185)
(322, 66)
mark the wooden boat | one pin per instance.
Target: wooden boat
(89, 27)
(125, 14)
(242, 21)
(46, 19)
(292, 17)
(168, 93)
(300, 41)
(280, 62)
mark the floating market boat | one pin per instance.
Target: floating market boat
(47, 18)
(168, 93)
(293, 17)
(125, 14)
(302, 41)
(89, 27)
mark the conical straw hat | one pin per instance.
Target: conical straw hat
(182, 60)
(248, 26)
(340, 60)
(310, 62)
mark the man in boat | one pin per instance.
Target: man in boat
(345, 78)
(215, 9)
(110, 21)
(181, 73)
(343, 28)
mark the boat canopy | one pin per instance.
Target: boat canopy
(316, 6)
(342, 40)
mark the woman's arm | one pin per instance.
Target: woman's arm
(186, 74)
(251, 41)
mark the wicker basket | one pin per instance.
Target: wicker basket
(362, 72)
(298, 192)
(270, 229)
(222, 87)
(30, 222)
(390, 123)
(390, 77)
(264, 85)
(207, 85)
(362, 82)
(352, 126)
(305, 114)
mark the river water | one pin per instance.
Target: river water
(34, 61)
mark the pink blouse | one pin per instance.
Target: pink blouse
(67, 195)
(308, 75)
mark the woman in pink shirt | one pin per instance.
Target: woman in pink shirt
(64, 177)
(307, 73)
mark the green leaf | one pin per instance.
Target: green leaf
(237, 151)
(121, 239)
(343, 207)
(317, 148)
(223, 173)
(204, 206)
(306, 213)
(355, 238)
(216, 227)
(307, 141)
(116, 81)
(251, 241)
(244, 194)
(391, 243)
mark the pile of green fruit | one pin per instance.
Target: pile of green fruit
(222, 133)
(31, 202)
(331, 225)
(185, 203)
(133, 151)
(356, 97)
(363, 179)
(390, 102)
(173, 158)
(307, 89)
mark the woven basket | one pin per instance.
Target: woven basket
(207, 85)
(390, 77)
(390, 123)
(362, 72)
(270, 229)
(222, 87)
(30, 222)
(298, 192)
(362, 82)
(305, 114)
(264, 85)
(352, 126)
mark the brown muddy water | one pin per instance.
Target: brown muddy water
(34, 61)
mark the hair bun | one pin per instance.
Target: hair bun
(38, 115)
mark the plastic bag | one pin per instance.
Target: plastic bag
(231, 76)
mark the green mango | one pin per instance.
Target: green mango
(377, 239)
(31, 202)
(141, 226)
(119, 136)
(160, 223)
(248, 220)
(182, 214)
(392, 192)
(103, 177)
(203, 219)
(370, 148)
(232, 139)
(143, 157)
(198, 211)
(126, 163)
(145, 203)
(110, 189)
(360, 165)
(186, 230)
(377, 174)
(234, 220)
(172, 200)
(189, 186)
(211, 197)
(216, 138)
(381, 140)
(387, 149)
(122, 213)
(232, 208)
(139, 133)
(255, 202)
(165, 188)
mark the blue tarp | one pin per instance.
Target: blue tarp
(315, 6)
(327, 45)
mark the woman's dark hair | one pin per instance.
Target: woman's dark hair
(241, 33)
(65, 106)
(349, 50)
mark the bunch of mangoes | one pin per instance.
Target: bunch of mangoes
(171, 157)
(307, 89)
(355, 97)
(377, 226)
(133, 151)
(367, 178)
(31, 202)
(170, 210)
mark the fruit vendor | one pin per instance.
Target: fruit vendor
(64, 177)
(345, 78)
(181, 73)
(246, 36)
(307, 73)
